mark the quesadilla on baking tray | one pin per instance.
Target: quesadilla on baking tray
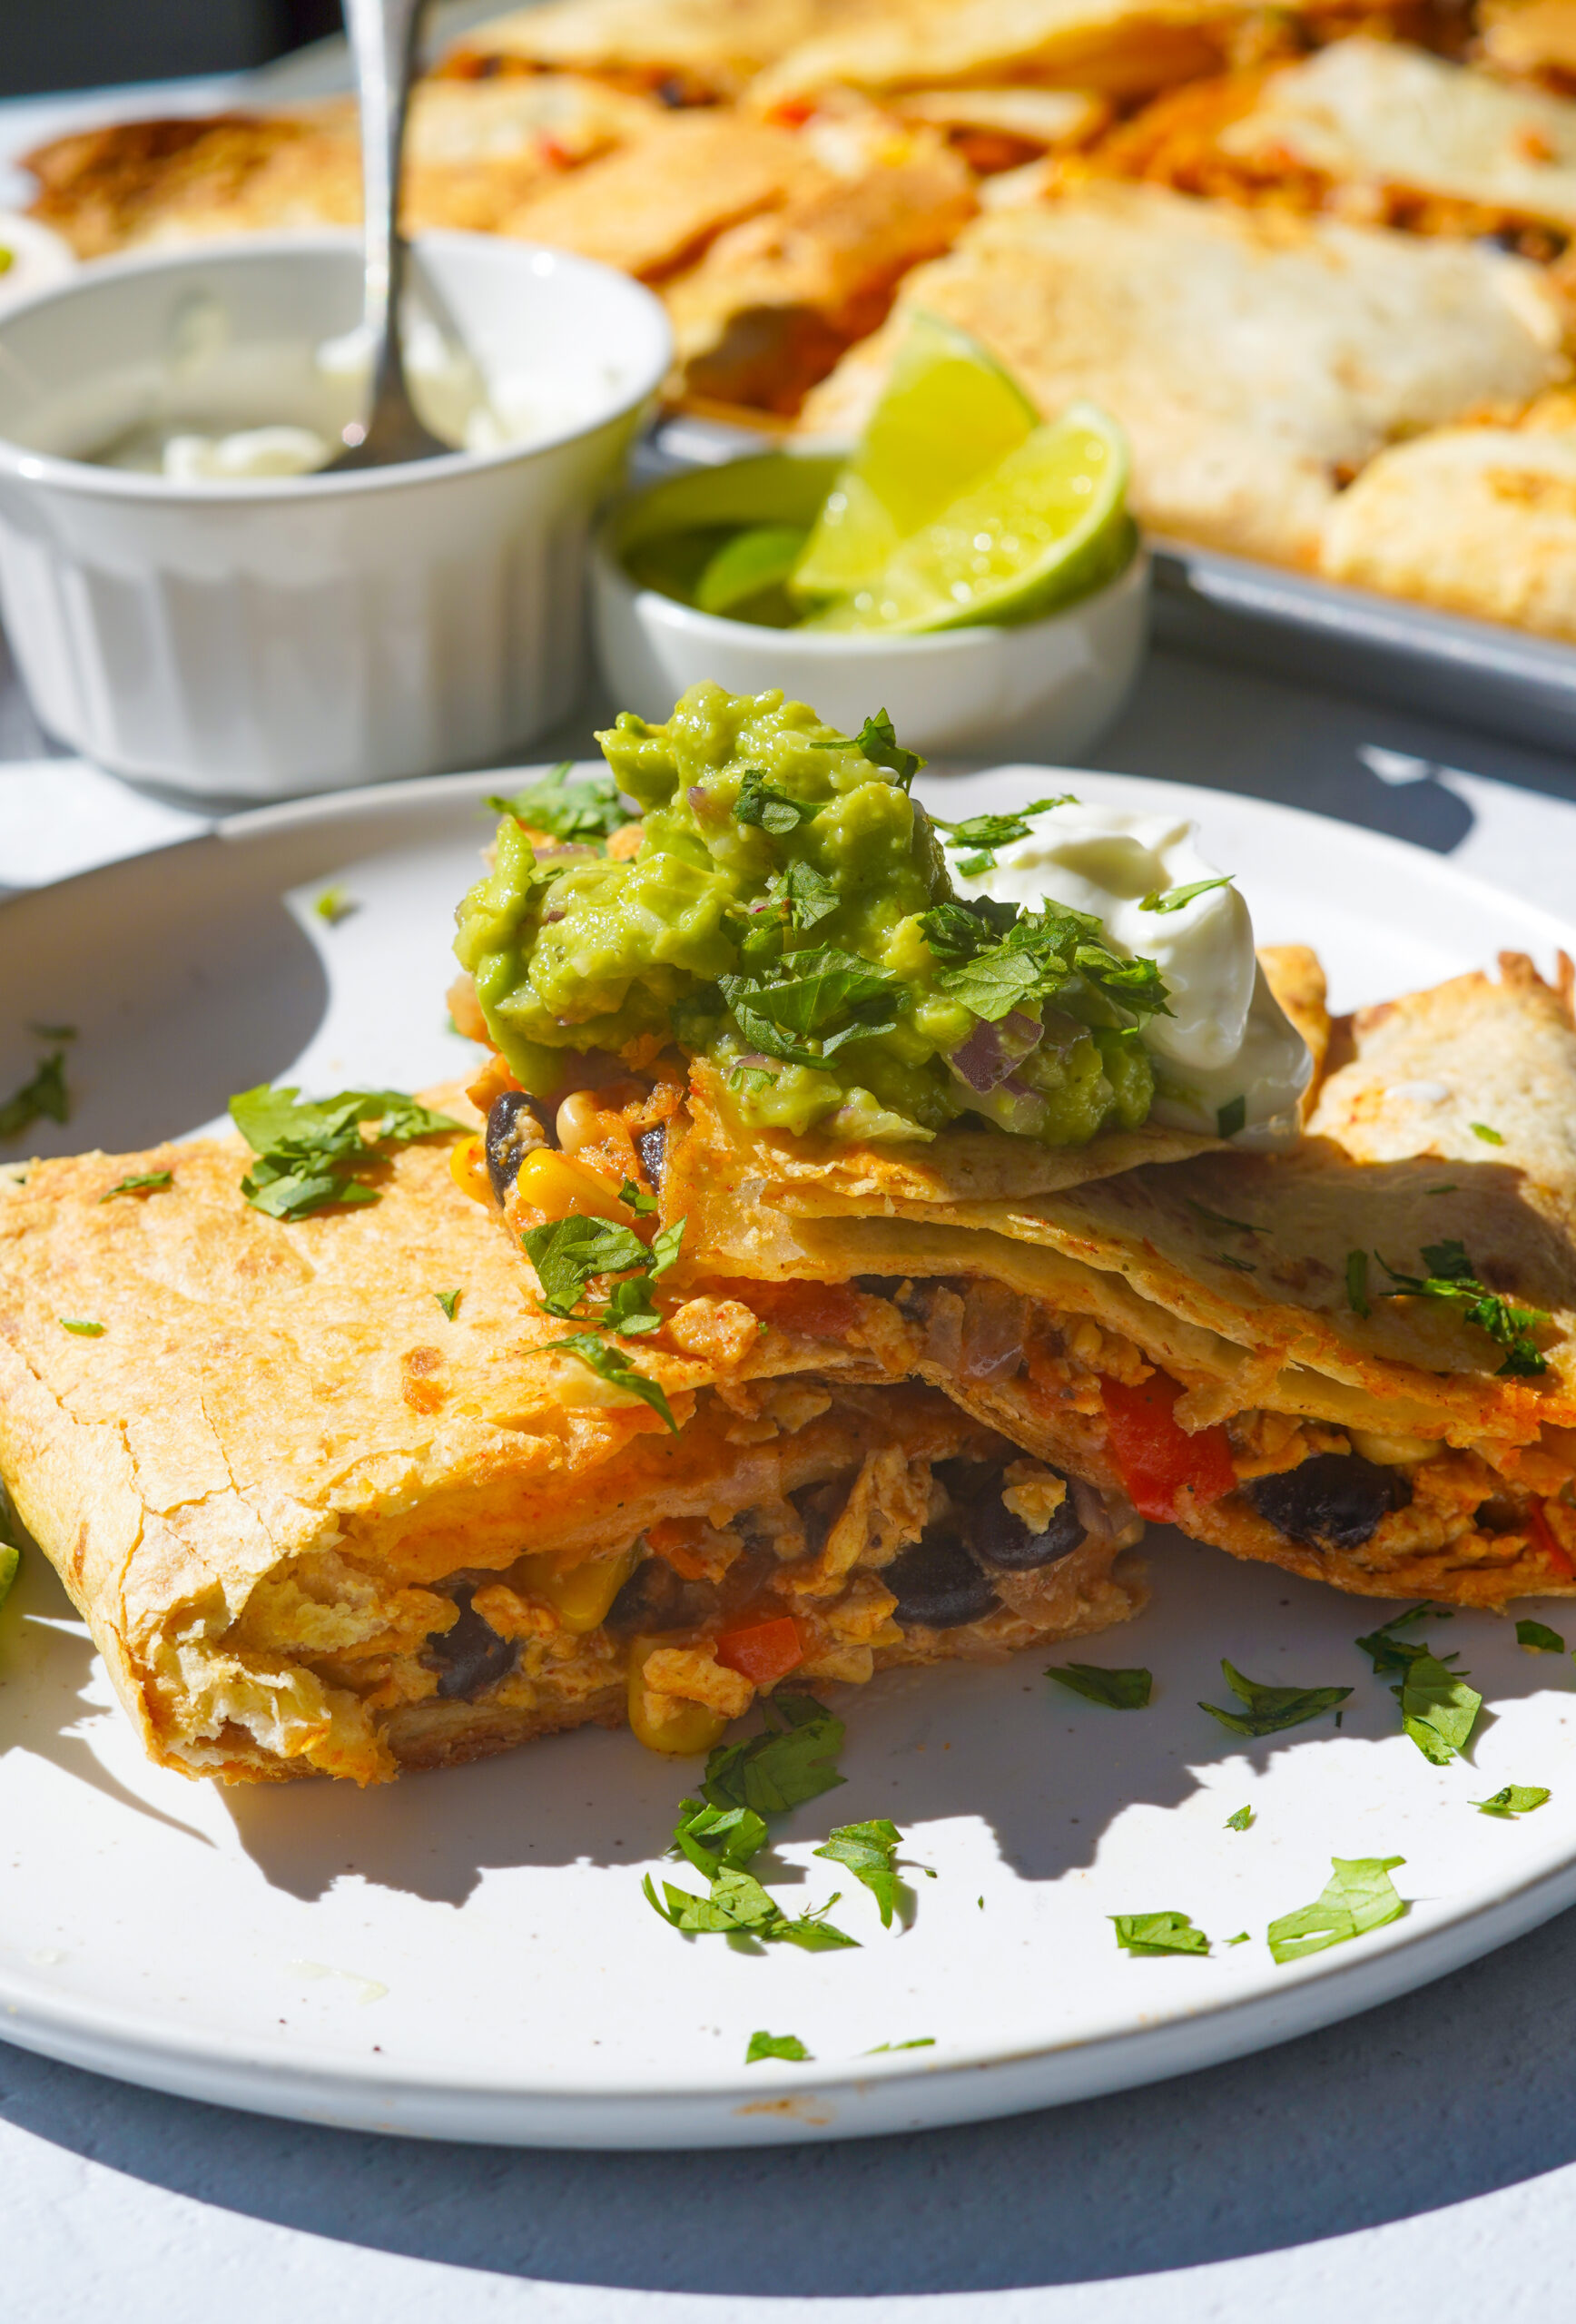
(331, 1497)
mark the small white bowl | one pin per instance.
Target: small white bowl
(264, 638)
(1044, 690)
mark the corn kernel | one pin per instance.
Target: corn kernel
(558, 1185)
(678, 1730)
(468, 1167)
(581, 1596)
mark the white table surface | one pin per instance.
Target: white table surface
(1419, 2159)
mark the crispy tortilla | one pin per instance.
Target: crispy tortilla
(1231, 1273)
(1254, 359)
(289, 1493)
(695, 52)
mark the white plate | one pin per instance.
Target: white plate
(468, 1955)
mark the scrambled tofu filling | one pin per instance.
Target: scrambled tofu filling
(902, 1555)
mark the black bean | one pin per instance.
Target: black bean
(514, 1127)
(652, 1147)
(1001, 1539)
(880, 1286)
(1333, 1501)
(937, 1583)
(655, 1598)
(471, 1656)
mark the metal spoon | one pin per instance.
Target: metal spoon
(383, 36)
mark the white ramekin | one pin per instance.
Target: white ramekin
(1045, 690)
(269, 638)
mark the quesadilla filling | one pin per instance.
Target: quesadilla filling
(785, 911)
(840, 1534)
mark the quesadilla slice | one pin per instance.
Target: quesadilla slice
(1254, 359)
(690, 52)
(334, 1496)
(1355, 1359)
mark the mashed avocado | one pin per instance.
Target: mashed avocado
(788, 915)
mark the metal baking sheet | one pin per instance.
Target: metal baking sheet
(1325, 632)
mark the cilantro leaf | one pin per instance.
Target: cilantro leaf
(739, 1907)
(1451, 1278)
(145, 1182)
(776, 2045)
(449, 1301)
(44, 1097)
(628, 1309)
(809, 895)
(1539, 1638)
(1359, 1895)
(82, 1326)
(611, 1363)
(921, 2042)
(584, 808)
(307, 1149)
(878, 740)
(1231, 1116)
(636, 1199)
(1240, 1821)
(1515, 1800)
(1157, 1933)
(1218, 1218)
(791, 1761)
(1271, 1709)
(993, 984)
(1489, 1137)
(1120, 1689)
(53, 1032)
(1438, 1708)
(867, 1850)
(1389, 1652)
(1357, 1284)
(1173, 899)
(955, 931)
(1237, 1940)
(568, 1252)
(334, 905)
(987, 832)
(10, 1560)
(810, 991)
(745, 1079)
(770, 809)
(716, 1840)
(665, 1247)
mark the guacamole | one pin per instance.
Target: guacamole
(789, 916)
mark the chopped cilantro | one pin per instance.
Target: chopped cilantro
(793, 1760)
(1451, 1277)
(611, 1363)
(1271, 1708)
(1224, 1259)
(10, 1559)
(776, 2045)
(985, 833)
(1439, 1190)
(739, 1907)
(54, 1032)
(809, 894)
(307, 1149)
(1539, 1639)
(1157, 1933)
(919, 2041)
(878, 740)
(956, 930)
(145, 1182)
(1389, 1652)
(769, 808)
(1357, 1283)
(1173, 899)
(635, 1198)
(1033, 958)
(717, 1838)
(867, 1850)
(45, 1098)
(568, 1253)
(1231, 1116)
(803, 1000)
(574, 809)
(449, 1301)
(1489, 1137)
(1240, 1939)
(334, 905)
(1438, 1708)
(1515, 1800)
(84, 1329)
(1240, 1821)
(1218, 1218)
(1359, 1895)
(746, 1078)
(1121, 1689)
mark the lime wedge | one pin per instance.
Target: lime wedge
(948, 413)
(1048, 525)
(760, 558)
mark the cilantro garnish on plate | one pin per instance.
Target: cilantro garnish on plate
(1389, 1652)
(1359, 1895)
(867, 1850)
(720, 1839)
(309, 1149)
(449, 1301)
(1157, 1933)
(776, 2045)
(995, 965)
(919, 2041)
(1489, 1137)
(793, 1760)
(575, 809)
(1515, 1800)
(44, 1097)
(1270, 1710)
(144, 1182)
(335, 904)
(1450, 1278)
(1539, 1639)
(82, 1326)
(1173, 899)
(1118, 1690)
(1438, 1708)
(980, 835)
(1240, 1821)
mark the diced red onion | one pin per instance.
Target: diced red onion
(991, 1053)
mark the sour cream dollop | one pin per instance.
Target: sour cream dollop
(1228, 1036)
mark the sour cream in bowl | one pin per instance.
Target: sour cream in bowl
(1228, 1061)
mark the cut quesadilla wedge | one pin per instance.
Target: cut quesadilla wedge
(1355, 1359)
(332, 1497)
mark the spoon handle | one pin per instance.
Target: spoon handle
(383, 38)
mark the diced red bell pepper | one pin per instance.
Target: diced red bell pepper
(764, 1652)
(1155, 1456)
(1540, 1537)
